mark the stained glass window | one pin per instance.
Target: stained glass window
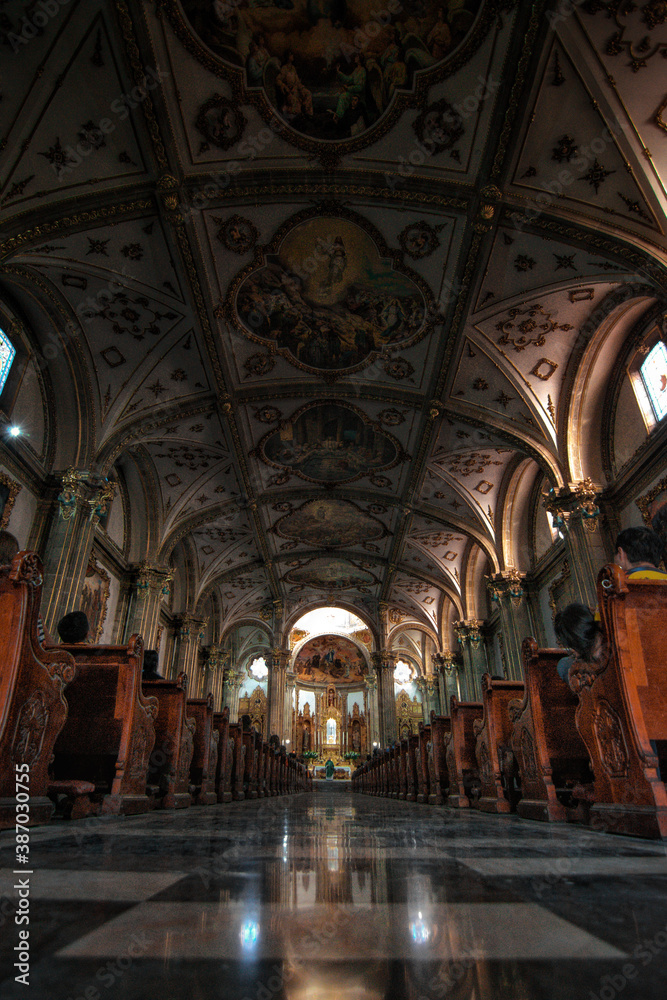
(654, 377)
(7, 355)
(258, 668)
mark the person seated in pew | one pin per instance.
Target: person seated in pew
(580, 632)
(639, 552)
(150, 671)
(74, 627)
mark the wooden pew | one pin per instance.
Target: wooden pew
(402, 769)
(32, 707)
(550, 753)
(223, 780)
(251, 742)
(411, 783)
(238, 767)
(623, 706)
(441, 726)
(460, 751)
(205, 752)
(493, 749)
(110, 729)
(423, 789)
(174, 743)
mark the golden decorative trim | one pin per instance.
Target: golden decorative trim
(93, 217)
(14, 489)
(645, 503)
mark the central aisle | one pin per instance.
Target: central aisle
(331, 895)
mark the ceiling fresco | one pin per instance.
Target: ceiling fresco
(327, 300)
(313, 281)
(330, 443)
(332, 69)
(330, 658)
(330, 523)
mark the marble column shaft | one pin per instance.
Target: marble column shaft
(384, 669)
(230, 694)
(148, 590)
(509, 591)
(276, 686)
(576, 513)
(82, 498)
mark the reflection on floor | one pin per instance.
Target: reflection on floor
(331, 895)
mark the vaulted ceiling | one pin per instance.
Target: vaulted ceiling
(325, 319)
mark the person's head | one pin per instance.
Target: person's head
(577, 629)
(638, 547)
(74, 627)
(8, 547)
(150, 671)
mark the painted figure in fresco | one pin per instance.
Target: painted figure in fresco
(353, 87)
(337, 262)
(439, 39)
(296, 99)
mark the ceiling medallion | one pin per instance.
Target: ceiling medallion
(329, 296)
(419, 239)
(221, 123)
(236, 233)
(332, 76)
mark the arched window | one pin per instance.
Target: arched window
(258, 668)
(402, 672)
(7, 355)
(331, 730)
(653, 372)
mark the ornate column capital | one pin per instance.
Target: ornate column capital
(190, 626)
(469, 630)
(86, 491)
(152, 580)
(234, 678)
(574, 500)
(280, 658)
(217, 659)
(509, 583)
(371, 683)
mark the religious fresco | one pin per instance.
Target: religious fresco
(329, 443)
(330, 657)
(327, 299)
(329, 523)
(330, 69)
(331, 574)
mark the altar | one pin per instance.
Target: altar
(341, 772)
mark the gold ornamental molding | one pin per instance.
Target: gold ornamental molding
(9, 490)
(658, 117)
(72, 222)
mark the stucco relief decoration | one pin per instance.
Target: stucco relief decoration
(332, 73)
(95, 597)
(330, 523)
(221, 123)
(236, 233)
(330, 657)
(330, 575)
(630, 38)
(419, 239)
(329, 443)
(328, 295)
(528, 327)
(439, 127)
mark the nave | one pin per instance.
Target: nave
(330, 894)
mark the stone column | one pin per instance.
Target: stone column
(81, 498)
(383, 662)
(474, 657)
(288, 728)
(448, 679)
(428, 686)
(576, 514)
(230, 693)
(216, 664)
(148, 589)
(372, 714)
(190, 632)
(508, 590)
(276, 686)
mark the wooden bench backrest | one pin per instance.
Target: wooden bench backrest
(552, 703)
(109, 716)
(32, 680)
(634, 618)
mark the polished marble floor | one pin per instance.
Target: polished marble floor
(331, 895)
